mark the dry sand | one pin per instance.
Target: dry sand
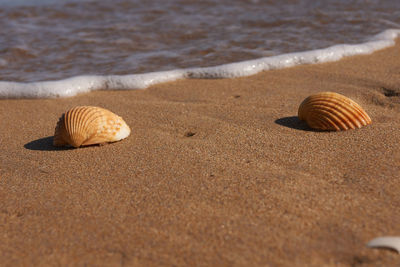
(215, 173)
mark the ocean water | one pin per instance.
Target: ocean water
(59, 48)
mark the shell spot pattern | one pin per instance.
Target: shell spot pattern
(330, 111)
(87, 125)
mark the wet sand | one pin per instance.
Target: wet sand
(215, 173)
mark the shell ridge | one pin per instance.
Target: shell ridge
(90, 117)
(79, 135)
(347, 104)
(99, 117)
(77, 121)
(330, 124)
(363, 114)
(86, 118)
(67, 124)
(75, 139)
(334, 116)
(82, 123)
(95, 117)
(345, 117)
(355, 116)
(318, 123)
(104, 134)
(351, 109)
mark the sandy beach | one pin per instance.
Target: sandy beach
(215, 173)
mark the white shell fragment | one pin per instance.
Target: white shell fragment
(391, 242)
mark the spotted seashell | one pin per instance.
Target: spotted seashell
(332, 112)
(85, 125)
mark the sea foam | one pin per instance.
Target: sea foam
(83, 84)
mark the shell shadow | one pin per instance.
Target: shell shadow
(294, 123)
(44, 144)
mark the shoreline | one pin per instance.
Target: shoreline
(86, 83)
(251, 185)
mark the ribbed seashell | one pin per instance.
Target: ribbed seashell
(332, 112)
(85, 125)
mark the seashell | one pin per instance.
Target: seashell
(332, 112)
(85, 125)
(391, 242)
